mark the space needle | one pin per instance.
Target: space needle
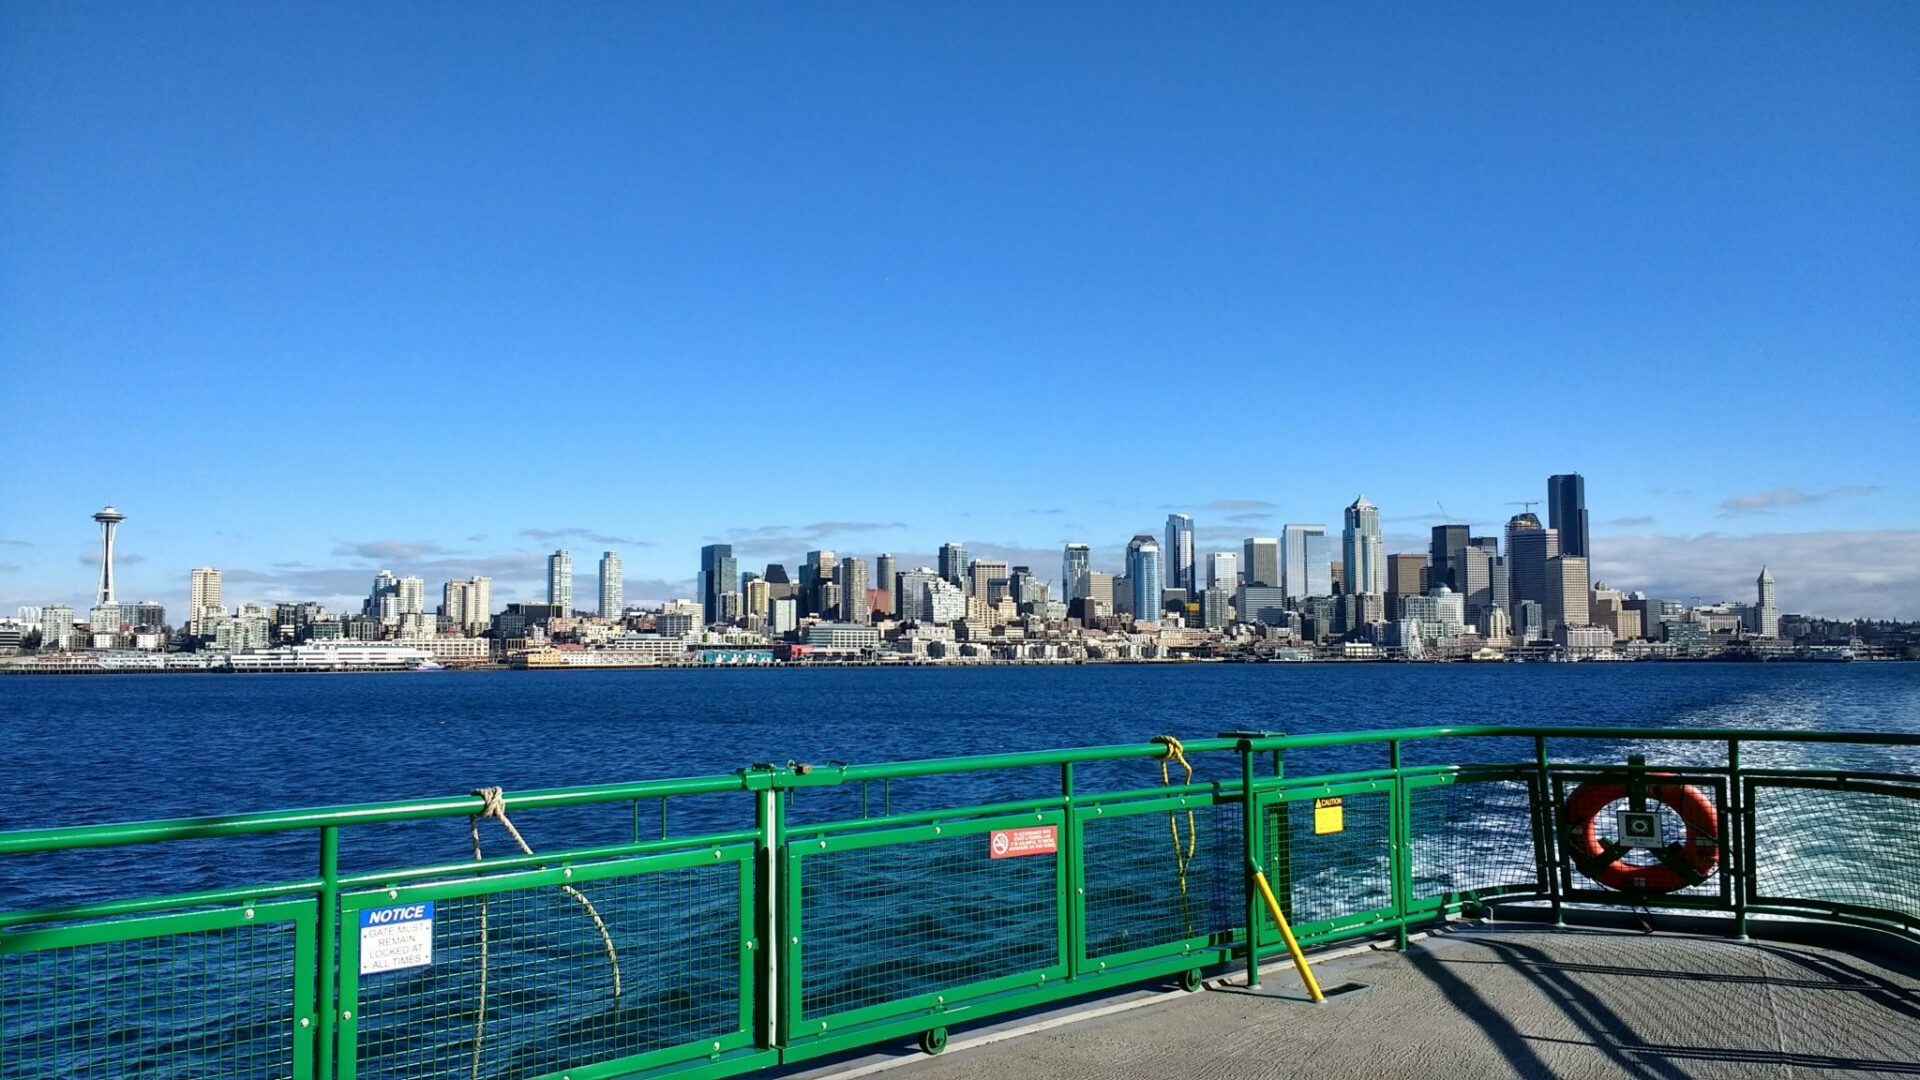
(108, 518)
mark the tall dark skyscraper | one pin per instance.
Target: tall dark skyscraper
(1567, 512)
(1443, 553)
(718, 573)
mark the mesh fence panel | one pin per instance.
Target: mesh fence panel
(1471, 836)
(549, 983)
(215, 1003)
(1338, 873)
(1136, 893)
(884, 923)
(1841, 847)
(1673, 831)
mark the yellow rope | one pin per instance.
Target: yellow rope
(493, 804)
(1182, 855)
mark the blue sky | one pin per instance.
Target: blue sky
(312, 291)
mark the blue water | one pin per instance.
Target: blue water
(113, 748)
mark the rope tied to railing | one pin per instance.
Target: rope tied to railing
(1182, 854)
(493, 806)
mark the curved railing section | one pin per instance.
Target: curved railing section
(720, 925)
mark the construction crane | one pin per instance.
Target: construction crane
(1529, 504)
(1444, 516)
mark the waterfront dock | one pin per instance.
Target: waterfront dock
(1489, 1000)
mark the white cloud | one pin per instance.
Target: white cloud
(1872, 574)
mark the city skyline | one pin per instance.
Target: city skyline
(1675, 251)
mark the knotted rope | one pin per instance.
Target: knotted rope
(1182, 854)
(493, 805)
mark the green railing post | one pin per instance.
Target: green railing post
(1071, 848)
(326, 945)
(1251, 833)
(1399, 847)
(767, 820)
(1734, 849)
(1546, 842)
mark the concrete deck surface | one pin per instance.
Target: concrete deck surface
(1506, 1000)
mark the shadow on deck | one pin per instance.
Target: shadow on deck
(1505, 1000)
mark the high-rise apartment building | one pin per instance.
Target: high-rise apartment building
(1766, 614)
(1363, 551)
(717, 573)
(1307, 562)
(1223, 571)
(1260, 560)
(410, 596)
(613, 585)
(953, 563)
(203, 600)
(1567, 512)
(1145, 577)
(468, 605)
(560, 581)
(851, 575)
(1076, 563)
(1178, 553)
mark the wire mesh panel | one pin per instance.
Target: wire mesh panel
(210, 994)
(533, 974)
(1838, 844)
(1471, 836)
(887, 917)
(1703, 795)
(1153, 877)
(1327, 867)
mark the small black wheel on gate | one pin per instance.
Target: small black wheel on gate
(934, 1041)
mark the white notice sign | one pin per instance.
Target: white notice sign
(396, 937)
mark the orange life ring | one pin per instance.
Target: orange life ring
(1695, 856)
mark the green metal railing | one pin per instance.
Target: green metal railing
(762, 936)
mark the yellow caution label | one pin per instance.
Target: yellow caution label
(1329, 816)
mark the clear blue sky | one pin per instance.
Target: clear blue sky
(312, 291)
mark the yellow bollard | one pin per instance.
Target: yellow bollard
(1286, 933)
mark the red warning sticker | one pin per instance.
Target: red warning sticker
(1014, 843)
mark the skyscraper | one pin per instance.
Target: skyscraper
(1363, 551)
(1766, 616)
(1178, 553)
(953, 563)
(851, 575)
(1473, 577)
(884, 580)
(613, 585)
(1076, 564)
(468, 604)
(1223, 571)
(203, 601)
(1406, 576)
(1568, 592)
(1145, 577)
(560, 581)
(1567, 512)
(1528, 548)
(410, 596)
(1307, 562)
(981, 576)
(1260, 560)
(1447, 540)
(109, 520)
(717, 573)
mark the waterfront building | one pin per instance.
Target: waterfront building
(842, 637)
(1406, 576)
(758, 597)
(560, 581)
(104, 618)
(1766, 615)
(1567, 513)
(1568, 588)
(56, 628)
(783, 616)
(1608, 608)
(1307, 557)
(1076, 564)
(613, 585)
(143, 614)
(1223, 571)
(1497, 627)
(717, 571)
(953, 563)
(1260, 560)
(851, 577)
(884, 574)
(1362, 549)
(1447, 541)
(1144, 577)
(1178, 553)
(240, 633)
(1529, 620)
